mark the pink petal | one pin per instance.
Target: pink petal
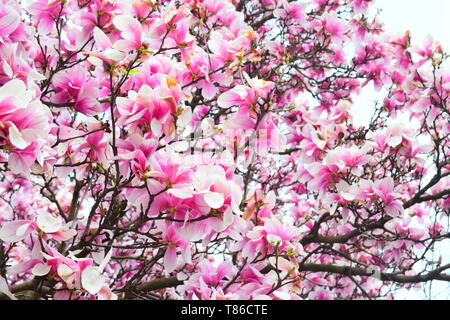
(170, 259)
(9, 23)
(16, 230)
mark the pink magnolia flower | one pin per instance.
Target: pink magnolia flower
(386, 191)
(18, 230)
(245, 97)
(322, 176)
(273, 233)
(21, 160)
(259, 205)
(174, 242)
(131, 32)
(291, 11)
(44, 12)
(51, 225)
(208, 276)
(334, 25)
(105, 53)
(98, 147)
(10, 24)
(348, 158)
(77, 273)
(54, 227)
(382, 190)
(23, 119)
(78, 87)
(211, 181)
(151, 108)
(321, 294)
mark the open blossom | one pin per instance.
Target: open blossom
(394, 136)
(52, 226)
(384, 191)
(291, 10)
(348, 158)
(106, 52)
(43, 13)
(245, 97)
(151, 107)
(273, 233)
(175, 243)
(96, 146)
(131, 32)
(216, 189)
(10, 24)
(75, 86)
(23, 119)
(24, 125)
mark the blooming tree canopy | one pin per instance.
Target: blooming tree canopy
(207, 149)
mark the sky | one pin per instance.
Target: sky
(421, 17)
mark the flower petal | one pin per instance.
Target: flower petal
(170, 259)
(5, 290)
(41, 269)
(15, 230)
(92, 280)
(16, 137)
(48, 222)
(214, 199)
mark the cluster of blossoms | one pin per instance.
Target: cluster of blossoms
(206, 149)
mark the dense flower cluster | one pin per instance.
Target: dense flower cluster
(211, 145)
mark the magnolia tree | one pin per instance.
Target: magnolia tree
(207, 149)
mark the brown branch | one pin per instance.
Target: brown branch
(155, 284)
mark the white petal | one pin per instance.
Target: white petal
(48, 223)
(214, 199)
(156, 127)
(182, 193)
(41, 269)
(395, 141)
(170, 259)
(145, 91)
(17, 89)
(4, 288)
(273, 239)
(7, 69)
(9, 231)
(348, 196)
(185, 117)
(101, 39)
(228, 217)
(105, 261)
(20, 232)
(98, 256)
(64, 271)
(92, 280)
(16, 137)
(114, 55)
